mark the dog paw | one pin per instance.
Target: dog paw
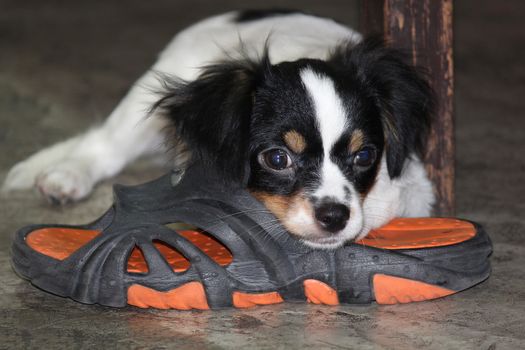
(20, 177)
(23, 175)
(64, 183)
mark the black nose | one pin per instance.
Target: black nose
(332, 216)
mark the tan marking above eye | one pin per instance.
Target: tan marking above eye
(295, 141)
(356, 141)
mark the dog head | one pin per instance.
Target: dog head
(307, 138)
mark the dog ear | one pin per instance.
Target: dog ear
(401, 94)
(211, 115)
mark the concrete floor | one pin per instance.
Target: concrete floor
(63, 67)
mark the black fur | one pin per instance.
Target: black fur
(237, 109)
(211, 114)
(283, 104)
(254, 15)
(403, 97)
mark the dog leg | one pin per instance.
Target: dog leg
(68, 170)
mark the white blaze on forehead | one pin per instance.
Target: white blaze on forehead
(328, 106)
(332, 122)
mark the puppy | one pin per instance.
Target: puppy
(324, 128)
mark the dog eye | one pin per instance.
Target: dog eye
(276, 159)
(365, 157)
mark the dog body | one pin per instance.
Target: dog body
(322, 129)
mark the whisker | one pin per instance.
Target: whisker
(245, 212)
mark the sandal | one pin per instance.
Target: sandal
(186, 241)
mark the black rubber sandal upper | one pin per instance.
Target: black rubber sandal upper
(265, 257)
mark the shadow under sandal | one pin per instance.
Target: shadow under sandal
(186, 241)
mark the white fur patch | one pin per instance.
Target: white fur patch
(333, 182)
(329, 108)
(409, 195)
(332, 122)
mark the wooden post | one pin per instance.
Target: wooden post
(424, 28)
